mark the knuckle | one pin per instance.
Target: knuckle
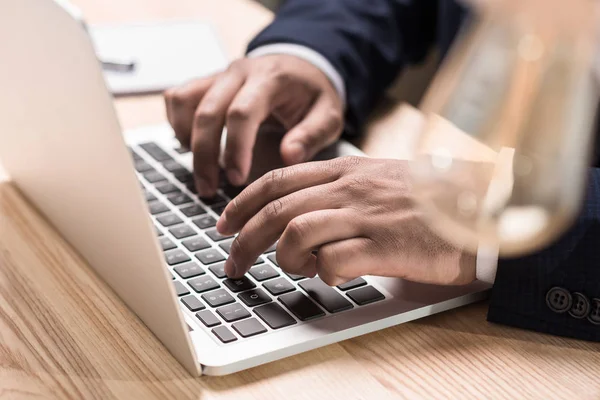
(274, 209)
(328, 265)
(237, 65)
(239, 112)
(335, 121)
(274, 178)
(345, 164)
(298, 230)
(176, 97)
(357, 185)
(205, 116)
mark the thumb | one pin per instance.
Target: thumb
(321, 127)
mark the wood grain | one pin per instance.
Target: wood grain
(65, 335)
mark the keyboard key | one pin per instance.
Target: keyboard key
(301, 306)
(365, 295)
(272, 248)
(178, 199)
(158, 231)
(191, 186)
(205, 222)
(156, 152)
(226, 246)
(217, 199)
(279, 286)
(238, 285)
(219, 209)
(263, 272)
(218, 270)
(193, 303)
(209, 256)
(224, 334)
(182, 231)
(169, 220)
(254, 297)
(180, 289)
(218, 298)
(259, 261)
(203, 284)
(325, 295)
(166, 188)
(149, 196)
(184, 177)
(167, 244)
(249, 327)
(233, 312)
(273, 259)
(295, 277)
(142, 166)
(196, 244)
(354, 283)
(216, 236)
(174, 257)
(156, 207)
(189, 270)
(172, 276)
(192, 211)
(153, 176)
(274, 315)
(172, 166)
(134, 155)
(208, 318)
(181, 150)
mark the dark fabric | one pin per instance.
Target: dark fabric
(369, 42)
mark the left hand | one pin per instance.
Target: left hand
(341, 219)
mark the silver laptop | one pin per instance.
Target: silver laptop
(126, 204)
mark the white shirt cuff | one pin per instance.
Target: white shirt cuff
(309, 55)
(487, 263)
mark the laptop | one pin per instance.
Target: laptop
(126, 204)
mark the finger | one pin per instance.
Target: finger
(269, 223)
(322, 126)
(276, 184)
(181, 103)
(308, 232)
(209, 120)
(342, 261)
(250, 107)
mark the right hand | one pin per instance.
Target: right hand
(291, 90)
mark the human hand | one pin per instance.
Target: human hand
(291, 90)
(341, 219)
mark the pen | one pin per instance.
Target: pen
(117, 66)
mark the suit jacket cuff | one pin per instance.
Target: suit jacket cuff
(487, 263)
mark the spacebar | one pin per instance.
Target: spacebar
(325, 295)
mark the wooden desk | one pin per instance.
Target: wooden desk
(64, 334)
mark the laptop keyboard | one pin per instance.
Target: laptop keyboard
(264, 300)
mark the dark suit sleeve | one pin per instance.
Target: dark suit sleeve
(557, 290)
(368, 42)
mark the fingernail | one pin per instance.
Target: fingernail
(230, 268)
(297, 152)
(235, 176)
(204, 189)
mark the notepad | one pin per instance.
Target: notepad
(166, 54)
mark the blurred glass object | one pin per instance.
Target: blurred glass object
(519, 83)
